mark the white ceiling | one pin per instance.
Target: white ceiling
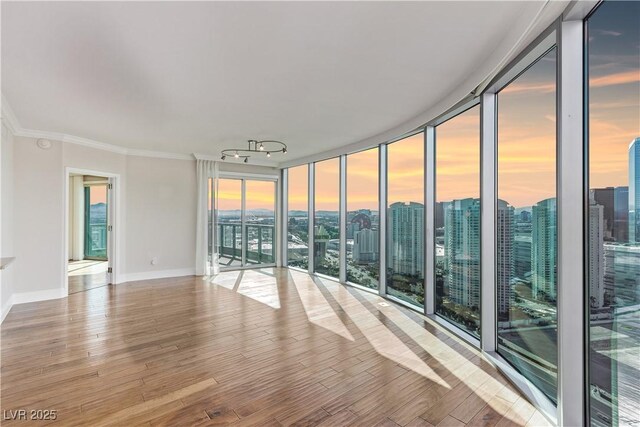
(197, 77)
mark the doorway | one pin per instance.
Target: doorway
(246, 222)
(89, 230)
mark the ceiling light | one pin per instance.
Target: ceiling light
(267, 147)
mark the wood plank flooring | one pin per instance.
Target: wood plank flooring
(269, 347)
(86, 274)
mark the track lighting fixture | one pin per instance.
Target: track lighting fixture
(267, 147)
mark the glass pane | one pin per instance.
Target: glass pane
(457, 220)
(362, 225)
(95, 245)
(405, 219)
(229, 205)
(260, 220)
(614, 216)
(526, 224)
(298, 217)
(326, 250)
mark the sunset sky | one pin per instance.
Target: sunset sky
(362, 180)
(327, 181)
(614, 91)
(259, 194)
(405, 164)
(98, 194)
(298, 180)
(527, 135)
(458, 157)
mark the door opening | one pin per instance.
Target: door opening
(89, 227)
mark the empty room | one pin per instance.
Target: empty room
(320, 213)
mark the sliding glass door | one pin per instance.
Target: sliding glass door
(246, 222)
(95, 223)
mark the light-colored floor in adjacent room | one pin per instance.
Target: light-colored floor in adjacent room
(264, 347)
(87, 274)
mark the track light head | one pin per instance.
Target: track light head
(284, 150)
(246, 160)
(223, 157)
(236, 155)
(268, 154)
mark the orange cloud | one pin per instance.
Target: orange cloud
(631, 76)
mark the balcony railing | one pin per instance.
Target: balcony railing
(96, 241)
(259, 242)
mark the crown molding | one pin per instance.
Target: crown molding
(11, 122)
(8, 117)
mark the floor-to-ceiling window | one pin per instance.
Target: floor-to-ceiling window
(298, 216)
(362, 225)
(229, 222)
(613, 215)
(457, 220)
(260, 221)
(405, 219)
(526, 271)
(326, 244)
(246, 221)
(95, 221)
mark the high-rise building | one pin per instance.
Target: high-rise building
(462, 251)
(505, 258)
(406, 246)
(596, 255)
(320, 240)
(634, 190)
(605, 198)
(522, 255)
(622, 274)
(544, 247)
(439, 214)
(615, 206)
(365, 246)
(621, 214)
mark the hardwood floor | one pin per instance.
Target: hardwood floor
(87, 274)
(255, 348)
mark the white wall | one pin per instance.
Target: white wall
(6, 218)
(161, 217)
(38, 220)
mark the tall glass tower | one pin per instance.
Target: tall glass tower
(634, 191)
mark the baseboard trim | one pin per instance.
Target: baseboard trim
(49, 294)
(6, 308)
(25, 297)
(160, 274)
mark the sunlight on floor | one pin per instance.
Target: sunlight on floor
(318, 310)
(80, 268)
(259, 285)
(379, 336)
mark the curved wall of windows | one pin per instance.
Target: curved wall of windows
(516, 294)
